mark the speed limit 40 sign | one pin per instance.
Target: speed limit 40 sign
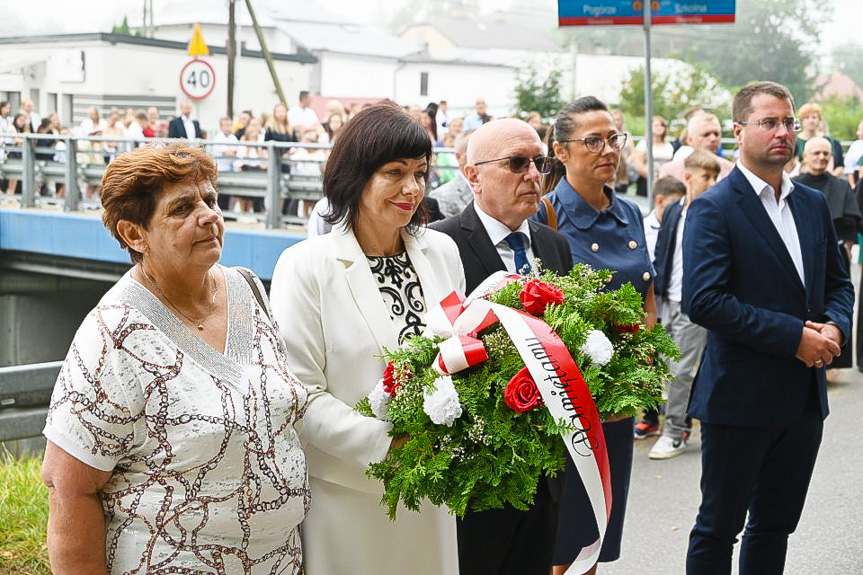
(197, 79)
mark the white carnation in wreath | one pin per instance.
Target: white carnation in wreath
(598, 347)
(442, 404)
(378, 400)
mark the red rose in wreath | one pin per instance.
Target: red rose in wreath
(631, 328)
(521, 393)
(390, 385)
(536, 295)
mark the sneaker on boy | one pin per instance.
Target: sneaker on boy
(667, 447)
(644, 429)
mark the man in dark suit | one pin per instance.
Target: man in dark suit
(765, 277)
(183, 126)
(493, 233)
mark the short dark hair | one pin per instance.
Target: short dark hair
(741, 106)
(303, 94)
(669, 186)
(564, 127)
(374, 137)
(133, 182)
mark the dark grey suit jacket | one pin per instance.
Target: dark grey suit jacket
(479, 256)
(488, 540)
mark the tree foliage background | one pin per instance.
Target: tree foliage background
(848, 59)
(538, 90)
(770, 40)
(674, 92)
(842, 116)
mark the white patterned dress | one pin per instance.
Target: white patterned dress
(208, 475)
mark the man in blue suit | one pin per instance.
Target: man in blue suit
(183, 126)
(765, 277)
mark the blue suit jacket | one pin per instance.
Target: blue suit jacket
(741, 284)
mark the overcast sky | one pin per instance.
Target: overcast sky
(60, 16)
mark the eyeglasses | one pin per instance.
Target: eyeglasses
(595, 144)
(521, 164)
(770, 124)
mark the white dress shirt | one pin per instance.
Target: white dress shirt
(853, 156)
(651, 232)
(675, 282)
(779, 212)
(303, 118)
(498, 233)
(317, 225)
(226, 143)
(189, 125)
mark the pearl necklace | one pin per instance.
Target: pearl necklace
(198, 324)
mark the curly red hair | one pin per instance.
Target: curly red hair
(133, 182)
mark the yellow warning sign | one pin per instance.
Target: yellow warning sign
(197, 47)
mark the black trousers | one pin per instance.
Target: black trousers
(765, 471)
(844, 359)
(859, 326)
(508, 541)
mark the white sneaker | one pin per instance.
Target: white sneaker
(666, 448)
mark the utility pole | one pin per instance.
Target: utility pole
(147, 28)
(648, 102)
(267, 56)
(232, 54)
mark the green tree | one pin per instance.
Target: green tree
(771, 40)
(842, 116)
(538, 91)
(673, 92)
(123, 28)
(632, 94)
(848, 59)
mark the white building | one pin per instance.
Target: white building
(447, 57)
(355, 61)
(69, 73)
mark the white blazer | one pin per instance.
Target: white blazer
(335, 325)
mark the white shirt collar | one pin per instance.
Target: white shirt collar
(760, 185)
(498, 231)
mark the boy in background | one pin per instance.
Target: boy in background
(666, 191)
(701, 172)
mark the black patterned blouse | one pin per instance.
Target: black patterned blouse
(403, 295)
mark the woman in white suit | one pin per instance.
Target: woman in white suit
(342, 298)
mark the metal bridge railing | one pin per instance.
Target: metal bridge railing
(25, 392)
(78, 163)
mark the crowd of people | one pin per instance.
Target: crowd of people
(197, 425)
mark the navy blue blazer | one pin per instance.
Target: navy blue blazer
(665, 243)
(177, 129)
(740, 283)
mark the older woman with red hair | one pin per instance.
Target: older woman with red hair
(171, 440)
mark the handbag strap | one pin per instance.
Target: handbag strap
(550, 214)
(247, 275)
